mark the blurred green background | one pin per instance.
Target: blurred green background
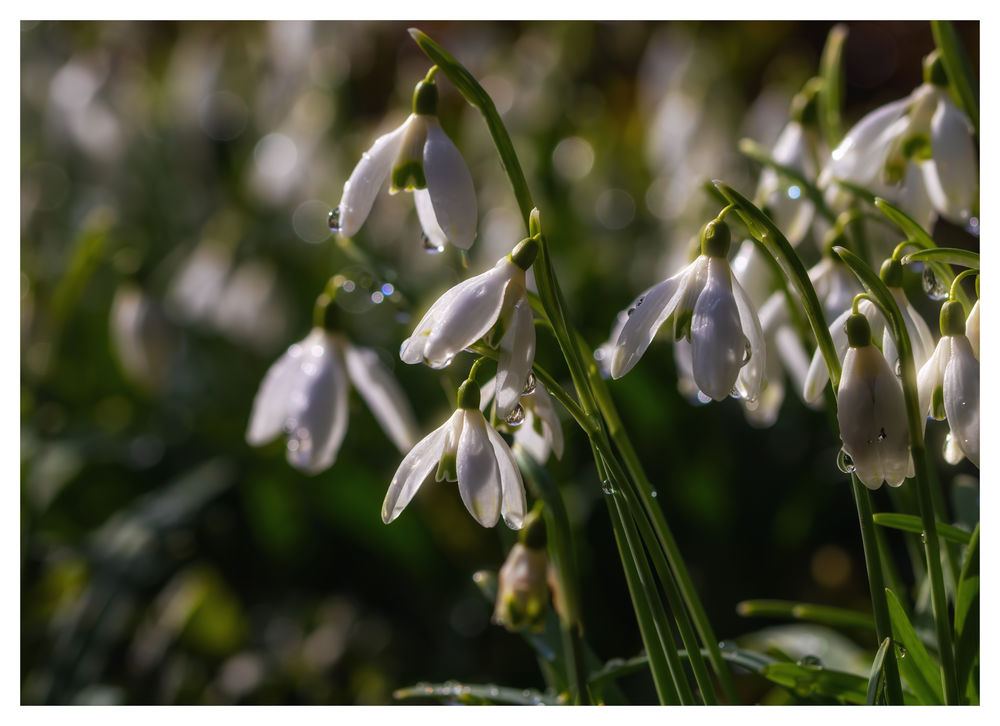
(175, 182)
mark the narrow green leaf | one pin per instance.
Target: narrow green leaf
(912, 523)
(805, 611)
(831, 96)
(753, 150)
(947, 255)
(918, 668)
(876, 681)
(967, 621)
(810, 681)
(956, 63)
(473, 693)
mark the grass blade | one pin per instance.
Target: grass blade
(876, 681)
(911, 523)
(915, 663)
(959, 70)
(836, 617)
(967, 622)
(831, 95)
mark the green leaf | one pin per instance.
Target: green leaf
(831, 95)
(876, 681)
(475, 694)
(918, 668)
(912, 523)
(956, 63)
(811, 680)
(967, 621)
(947, 255)
(805, 611)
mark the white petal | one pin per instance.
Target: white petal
(514, 506)
(412, 349)
(953, 175)
(367, 180)
(921, 340)
(913, 196)
(872, 417)
(317, 411)
(862, 152)
(382, 394)
(478, 472)
(961, 397)
(751, 376)
(718, 345)
(486, 392)
(649, 312)
(470, 314)
(819, 375)
(428, 222)
(414, 469)
(450, 185)
(270, 405)
(544, 409)
(931, 375)
(516, 354)
(972, 328)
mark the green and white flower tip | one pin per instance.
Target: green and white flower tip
(533, 422)
(712, 312)
(304, 395)
(871, 411)
(917, 148)
(948, 386)
(523, 587)
(417, 157)
(467, 450)
(494, 303)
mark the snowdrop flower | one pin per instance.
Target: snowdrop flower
(948, 384)
(535, 425)
(144, 342)
(470, 310)
(524, 580)
(467, 450)
(304, 395)
(871, 411)
(419, 157)
(915, 149)
(972, 329)
(799, 147)
(713, 312)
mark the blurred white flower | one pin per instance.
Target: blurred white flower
(469, 311)
(304, 395)
(948, 385)
(467, 450)
(523, 589)
(871, 411)
(539, 431)
(713, 312)
(142, 338)
(972, 329)
(419, 157)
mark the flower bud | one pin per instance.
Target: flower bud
(522, 590)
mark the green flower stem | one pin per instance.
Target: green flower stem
(774, 241)
(923, 472)
(560, 543)
(831, 94)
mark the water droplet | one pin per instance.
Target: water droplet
(726, 645)
(934, 287)
(923, 537)
(526, 693)
(898, 369)
(333, 220)
(747, 353)
(630, 311)
(973, 226)
(902, 651)
(377, 297)
(654, 494)
(516, 417)
(844, 462)
(494, 691)
(810, 660)
(529, 384)
(607, 487)
(735, 393)
(640, 301)
(431, 247)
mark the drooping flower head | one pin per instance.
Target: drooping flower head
(467, 450)
(524, 580)
(494, 303)
(417, 157)
(533, 422)
(713, 313)
(304, 396)
(948, 385)
(871, 411)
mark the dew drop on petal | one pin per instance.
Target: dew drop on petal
(747, 353)
(898, 368)
(430, 247)
(844, 462)
(529, 384)
(704, 397)
(734, 393)
(333, 220)
(516, 417)
(934, 287)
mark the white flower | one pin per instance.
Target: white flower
(917, 152)
(417, 156)
(710, 309)
(948, 385)
(468, 311)
(972, 329)
(304, 395)
(144, 342)
(539, 431)
(523, 589)
(871, 411)
(467, 450)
